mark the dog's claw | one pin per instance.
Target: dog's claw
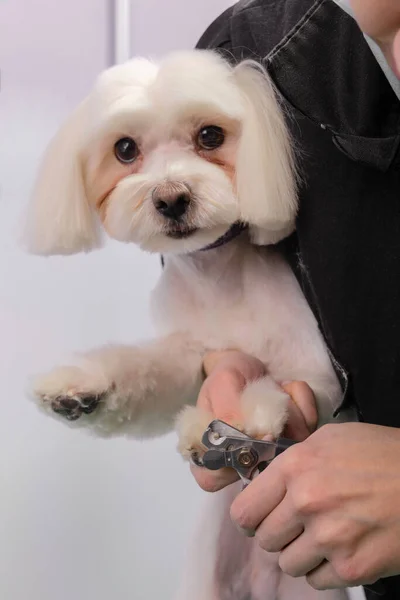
(72, 416)
(196, 459)
(89, 404)
(72, 408)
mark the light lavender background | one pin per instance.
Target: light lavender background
(79, 518)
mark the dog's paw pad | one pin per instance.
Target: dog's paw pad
(73, 407)
(70, 391)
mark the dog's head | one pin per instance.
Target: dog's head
(168, 156)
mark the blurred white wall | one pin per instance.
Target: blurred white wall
(160, 26)
(79, 518)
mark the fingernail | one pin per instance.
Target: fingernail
(247, 532)
(286, 382)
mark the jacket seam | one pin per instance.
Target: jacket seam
(295, 30)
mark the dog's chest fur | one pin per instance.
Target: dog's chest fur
(243, 297)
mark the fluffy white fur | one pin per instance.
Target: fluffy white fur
(240, 295)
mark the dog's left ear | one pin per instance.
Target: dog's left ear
(265, 170)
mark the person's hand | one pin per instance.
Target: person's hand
(330, 506)
(227, 375)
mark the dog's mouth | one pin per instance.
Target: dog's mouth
(180, 233)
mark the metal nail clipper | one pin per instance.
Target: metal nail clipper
(229, 447)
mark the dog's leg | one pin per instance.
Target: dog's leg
(126, 390)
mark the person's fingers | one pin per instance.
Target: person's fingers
(259, 499)
(220, 395)
(280, 528)
(303, 416)
(324, 577)
(213, 481)
(212, 360)
(296, 428)
(250, 367)
(228, 374)
(301, 556)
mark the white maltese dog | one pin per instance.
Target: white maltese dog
(190, 158)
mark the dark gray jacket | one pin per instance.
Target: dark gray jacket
(346, 252)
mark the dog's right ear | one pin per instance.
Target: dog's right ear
(59, 218)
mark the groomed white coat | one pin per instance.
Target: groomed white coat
(169, 156)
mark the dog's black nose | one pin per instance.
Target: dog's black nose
(172, 206)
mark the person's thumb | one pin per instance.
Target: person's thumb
(303, 416)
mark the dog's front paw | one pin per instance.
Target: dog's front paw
(71, 391)
(263, 410)
(191, 425)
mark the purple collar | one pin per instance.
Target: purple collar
(235, 230)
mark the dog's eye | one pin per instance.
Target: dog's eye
(210, 137)
(126, 150)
